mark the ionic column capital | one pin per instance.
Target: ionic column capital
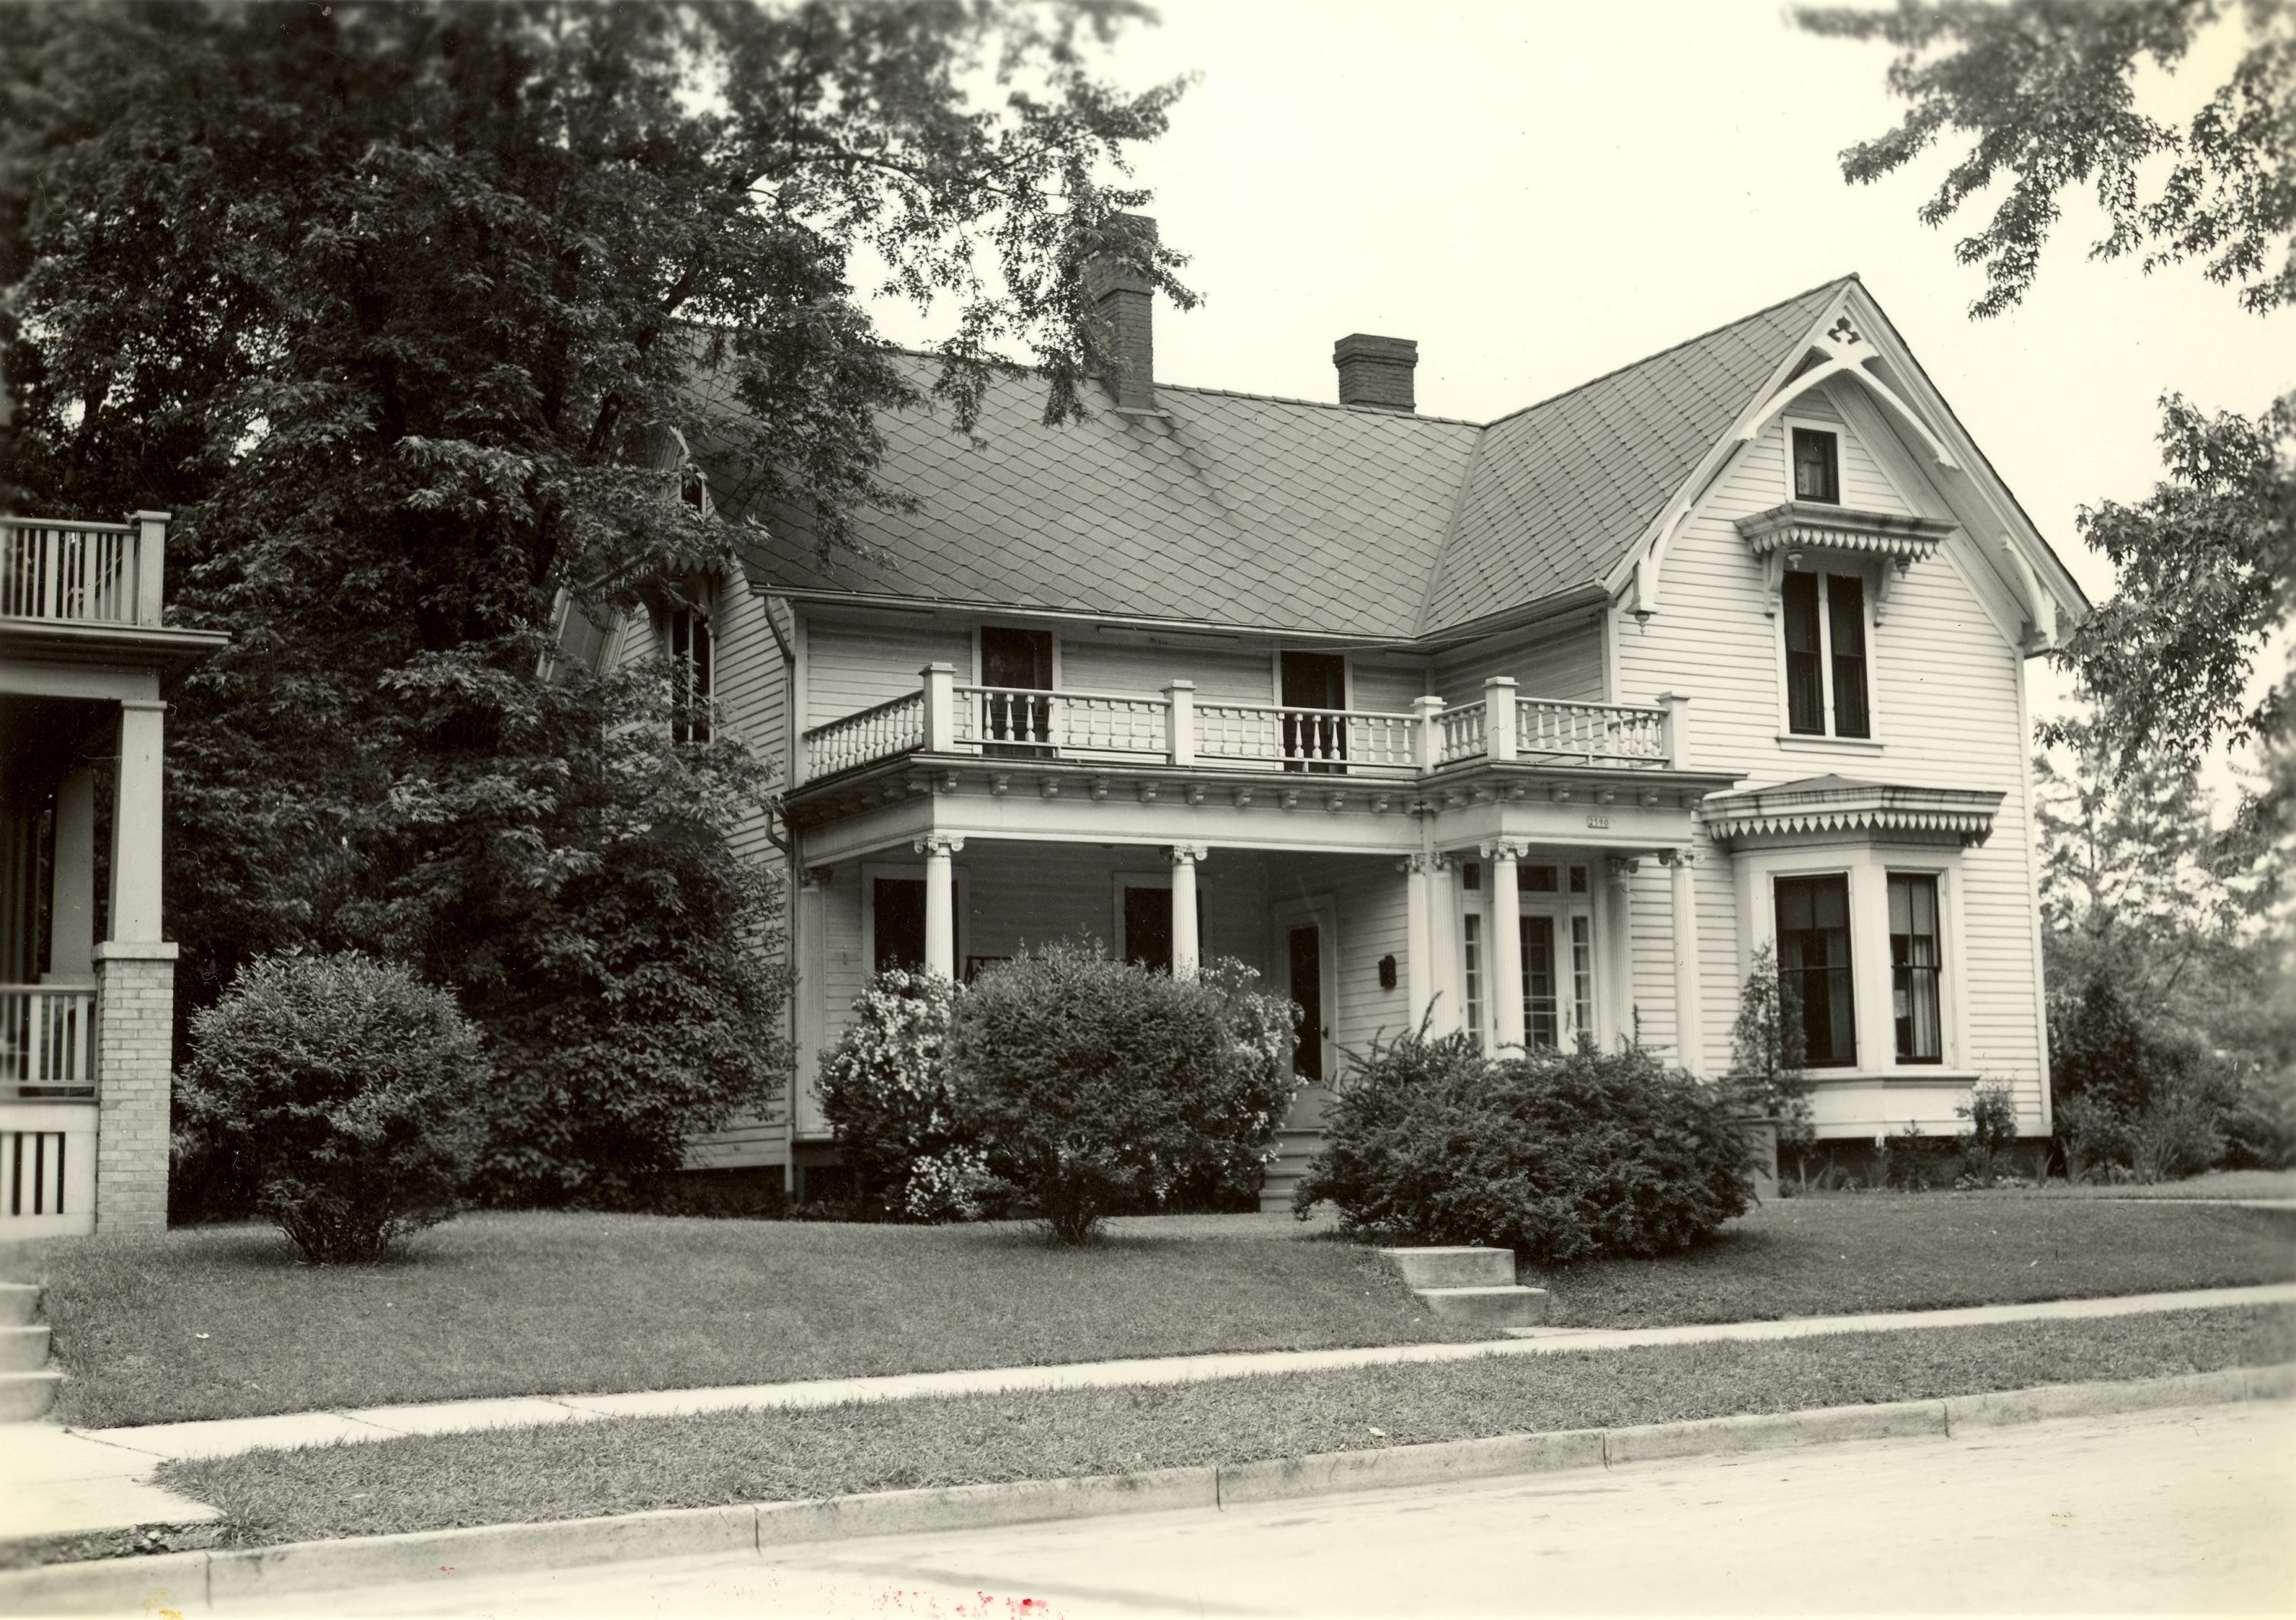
(1621, 868)
(1187, 854)
(1504, 849)
(938, 843)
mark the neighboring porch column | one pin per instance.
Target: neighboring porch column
(938, 849)
(1690, 1046)
(71, 907)
(136, 994)
(1185, 958)
(1445, 988)
(1506, 948)
(1618, 933)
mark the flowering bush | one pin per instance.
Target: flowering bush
(1095, 1086)
(884, 1091)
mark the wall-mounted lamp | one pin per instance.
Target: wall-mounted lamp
(1387, 973)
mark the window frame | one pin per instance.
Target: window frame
(1566, 907)
(696, 679)
(1825, 566)
(1941, 970)
(1849, 969)
(912, 871)
(1794, 429)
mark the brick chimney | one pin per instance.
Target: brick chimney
(1126, 300)
(1375, 370)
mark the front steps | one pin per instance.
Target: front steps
(28, 1386)
(1475, 1285)
(1282, 1173)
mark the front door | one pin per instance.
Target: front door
(1305, 948)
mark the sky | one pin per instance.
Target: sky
(1538, 193)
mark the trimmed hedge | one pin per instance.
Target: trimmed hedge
(1561, 1157)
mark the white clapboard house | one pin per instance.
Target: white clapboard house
(1539, 727)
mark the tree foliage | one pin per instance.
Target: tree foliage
(405, 311)
(2045, 92)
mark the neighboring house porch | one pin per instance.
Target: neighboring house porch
(86, 979)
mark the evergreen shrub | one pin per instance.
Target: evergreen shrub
(1561, 1156)
(1095, 1086)
(345, 1091)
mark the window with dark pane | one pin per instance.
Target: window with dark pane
(1845, 609)
(1471, 958)
(1582, 970)
(1814, 965)
(1013, 664)
(1818, 475)
(1916, 960)
(1315, 734)
(898, 904)
(689, 658)
(1805, 656)
(1542, 1011)
(1148, 925)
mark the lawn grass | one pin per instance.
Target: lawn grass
(222, 1322)
(629, 1465)
(2212, 1184)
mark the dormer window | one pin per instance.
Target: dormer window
(1816, 466)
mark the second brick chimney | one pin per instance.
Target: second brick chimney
(1375, 370)
(1126, 299)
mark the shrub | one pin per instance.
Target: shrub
(346, 1090)
(1561, 1158)
(884, 1091)
(1766, 1055)
(1095, 1086)
(1991, 1112)
(1915, 1162)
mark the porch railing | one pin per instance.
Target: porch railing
(1173, 727)
(47, 1042)
(86, 573)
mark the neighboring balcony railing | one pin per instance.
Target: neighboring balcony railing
(47, 1042)
(1173, 727)
(83, 574)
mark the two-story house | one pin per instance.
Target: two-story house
(1538, 727)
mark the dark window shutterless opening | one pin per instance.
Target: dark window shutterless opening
(1314, 742)
(1813, 920)
(1805, 657)
(1013, 663)
(1816, 466)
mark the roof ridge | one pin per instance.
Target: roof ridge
(1450, 532)
(1656, 354)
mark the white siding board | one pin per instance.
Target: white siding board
(1223, 674)
(1560, 661)
(852, 666)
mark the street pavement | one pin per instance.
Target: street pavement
(2191, 1510)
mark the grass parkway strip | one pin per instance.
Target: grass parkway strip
(224, 1322)
(633, 1465)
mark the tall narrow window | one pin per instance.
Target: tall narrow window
(1814, 965)
(690, 663)
(1013, 664)
(1915, 962)
(1816, 466)
(1471, 961)
(897, 907)
(1582, 970)
(1805, 656)
(1542, 1012)
(1845, 608)
(1315, 730)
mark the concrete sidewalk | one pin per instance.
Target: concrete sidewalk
(94, 1479)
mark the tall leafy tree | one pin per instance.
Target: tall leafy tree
(405, 310)
(2044, 94)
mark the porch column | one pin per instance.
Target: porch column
(1506, 947)
(1447, 988)
(136, 994)
(1690, 1046)
(1185, 957)
(940, 902)
(1418, 936)
(71, 908)
(1618, 933)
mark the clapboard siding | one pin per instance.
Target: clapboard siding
(1381, 686)
(1223, 674)
(1562, 662)
(1947, 686)
(750, 678)
(851, 665)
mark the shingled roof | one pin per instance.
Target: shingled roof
(1288, 514)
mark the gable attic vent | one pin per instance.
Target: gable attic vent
(1375, 370)
(1126, 300)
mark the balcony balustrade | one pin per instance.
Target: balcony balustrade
(83, 574)
(47, 1042)
(1173, 727)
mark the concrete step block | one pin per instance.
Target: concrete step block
(1452, 1268)
(1498, 1308)
(20, 1303)
(23, 1349)
(26, 1396)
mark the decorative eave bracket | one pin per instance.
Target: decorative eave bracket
(1832, 806)
(1846, 355)
(1782, 532)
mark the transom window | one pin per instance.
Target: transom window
(1825, 655)
(1816, 466)
(1915, 961)
(1814, 966)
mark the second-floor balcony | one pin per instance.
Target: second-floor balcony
(1176, 727)
(69, 572)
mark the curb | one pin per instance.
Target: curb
(193, 1581)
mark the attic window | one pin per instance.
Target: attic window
(1816, 466)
